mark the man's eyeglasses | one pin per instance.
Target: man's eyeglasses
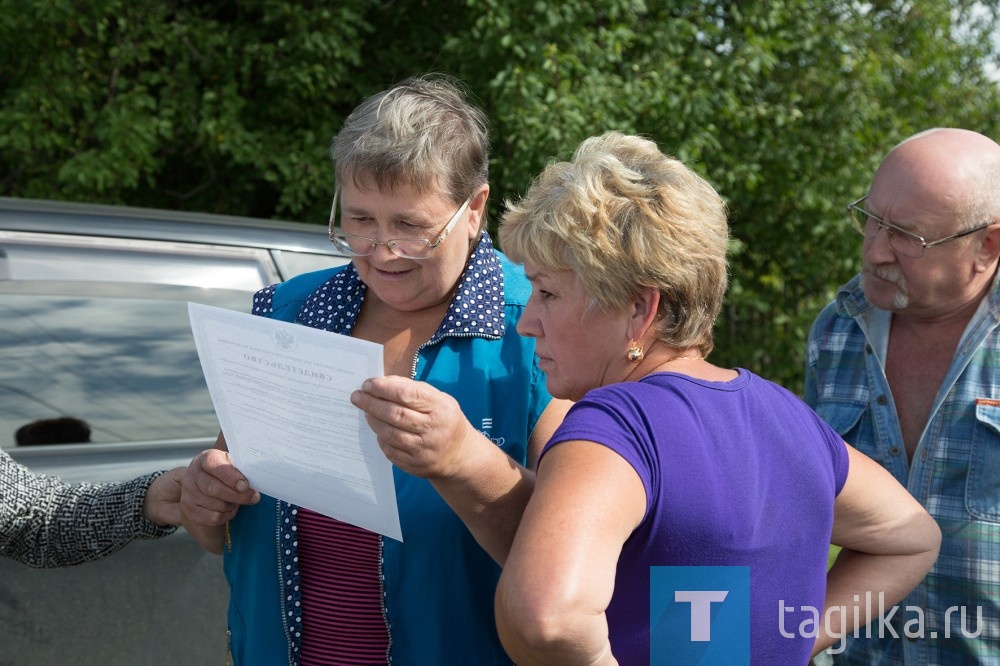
(407, 248)
(905, 242)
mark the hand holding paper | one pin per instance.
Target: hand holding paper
(281, 392)
(421, 429)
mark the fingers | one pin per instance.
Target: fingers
(396, 414)
(161, 505)
(220, 478)
(400, 402)
(212, 489)
(419, 428)
(171, 484)
(396, 388)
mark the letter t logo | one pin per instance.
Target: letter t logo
(699, 615)
(701, 610)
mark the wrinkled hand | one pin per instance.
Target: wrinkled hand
(420, 429)
(213, 490)
(162, 504)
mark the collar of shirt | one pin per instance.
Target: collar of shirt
(476, 309)
(875, 323)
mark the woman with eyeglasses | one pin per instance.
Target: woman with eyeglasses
(425, 282)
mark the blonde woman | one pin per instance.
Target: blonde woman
(667, 459)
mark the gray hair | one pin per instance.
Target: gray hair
(421, 133)
(982, 201)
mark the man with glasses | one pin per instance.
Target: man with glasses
(905, 365)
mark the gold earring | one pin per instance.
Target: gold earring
(634, 352)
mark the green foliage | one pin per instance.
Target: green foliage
(785, 106)
(209, 106)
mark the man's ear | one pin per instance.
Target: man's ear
(989, 249)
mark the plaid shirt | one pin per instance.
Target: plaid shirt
(45, 522)
(955, 474)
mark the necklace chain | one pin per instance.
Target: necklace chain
(683, 358)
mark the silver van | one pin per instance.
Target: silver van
(94, 326)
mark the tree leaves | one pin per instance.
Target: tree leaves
(785, 106)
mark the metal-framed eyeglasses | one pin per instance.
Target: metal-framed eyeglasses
(407, 248)
(902, 241)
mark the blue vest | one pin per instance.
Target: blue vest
(438, 584)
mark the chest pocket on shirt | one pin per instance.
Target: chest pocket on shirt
(982, 487)
(846, 417)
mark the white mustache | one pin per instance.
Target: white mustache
(888, 272)
(892, 273)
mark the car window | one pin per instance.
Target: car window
(294, 263)
(31, 256)
(98, 329)
(119, 356)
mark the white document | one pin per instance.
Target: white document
(282, 395)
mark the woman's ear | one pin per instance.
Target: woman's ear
(477, 211)
(644, 308)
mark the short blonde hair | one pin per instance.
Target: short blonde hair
(622, 216)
